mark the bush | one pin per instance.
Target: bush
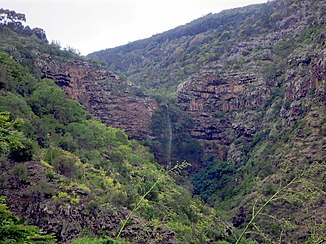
(12, 231)
(41, 190)
(89, 240)
(62, 161)
(12, 141)
(214, 181)
(50, 99)
(92, 206)
(23, 153)
(20, 171)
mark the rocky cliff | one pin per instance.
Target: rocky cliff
(273, 133)
(213, 100)
(232, 64)
(251, 90)
(228, 106)
(107, 97)
(252, 80)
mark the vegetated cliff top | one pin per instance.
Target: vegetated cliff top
(167, 59)
(17, 22)
(255, 89)
(108, 97)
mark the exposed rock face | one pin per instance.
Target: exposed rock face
(103, 93)
(208, 96)
(228, 97)
(236, 113)
(314, 79)
(232, 64)
(226, 107)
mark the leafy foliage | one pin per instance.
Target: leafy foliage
(114, 171)
(42, 124)
(88, 240)
(12, 230)
(13, 142)
(214, 182)
(49, 99)
(285, 141)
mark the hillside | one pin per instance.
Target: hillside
(71, 175)
(168, 59)
(242, 97)
(96, 154)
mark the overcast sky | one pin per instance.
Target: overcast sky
(92, 25)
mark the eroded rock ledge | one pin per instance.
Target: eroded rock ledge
(107, 97)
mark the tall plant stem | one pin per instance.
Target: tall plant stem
(176, 167)
(135, 208)
(255, 214)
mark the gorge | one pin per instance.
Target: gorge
(239, 95)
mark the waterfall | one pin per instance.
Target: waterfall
(169, 135)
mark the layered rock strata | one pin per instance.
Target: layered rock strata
(107, 97)
(215, 101)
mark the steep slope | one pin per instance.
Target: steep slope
(167, 59)
(106, 96)
(252, 83)
(109, 98)
(73, 176)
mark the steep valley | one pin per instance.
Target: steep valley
(215, 132)
(250, 80)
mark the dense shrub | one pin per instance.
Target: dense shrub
(20, 171)
(62, 161)
(41, 190)
(214, 181)
(24, 153)
(50, 99)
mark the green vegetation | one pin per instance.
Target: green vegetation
(214, 182)
(160, 63)
(90, 157)
(13, 230)
(87, 240)
(52, 151)
(285, 141)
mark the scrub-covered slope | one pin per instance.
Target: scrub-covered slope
(245, 90)
(70, 174)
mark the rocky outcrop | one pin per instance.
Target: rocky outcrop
(233, 65)
(227, 108)
(308, 73)
(216, 101)
(107, 97)
(33, 199)
(229, 97)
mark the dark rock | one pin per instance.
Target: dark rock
(69, 221)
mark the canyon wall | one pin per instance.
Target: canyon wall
(107, 97)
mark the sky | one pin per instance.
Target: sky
(93, 25)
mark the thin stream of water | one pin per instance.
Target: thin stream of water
(169, 135)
